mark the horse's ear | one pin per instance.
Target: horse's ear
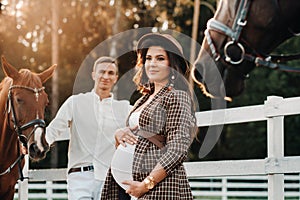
(9, 70)
(45, 75)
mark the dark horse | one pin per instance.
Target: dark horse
(240, 36)
(22, 105)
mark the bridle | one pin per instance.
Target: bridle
(234, 34)
(23, 139)
(37, 123)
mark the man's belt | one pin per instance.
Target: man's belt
(80, 169)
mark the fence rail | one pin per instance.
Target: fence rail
(202, 188)
(273, 167)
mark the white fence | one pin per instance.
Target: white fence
(221, 188)
(273, 167)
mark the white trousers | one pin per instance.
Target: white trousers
(83, 186)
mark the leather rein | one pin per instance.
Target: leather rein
(23, 139)
(234, 33)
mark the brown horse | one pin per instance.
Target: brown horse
(22, 104)
(240, 36)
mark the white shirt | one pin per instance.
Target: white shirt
(91, 124)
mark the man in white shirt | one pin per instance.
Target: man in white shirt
(91, 119)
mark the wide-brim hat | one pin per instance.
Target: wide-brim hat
(165, 40)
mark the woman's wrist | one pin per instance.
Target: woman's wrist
(149, 182)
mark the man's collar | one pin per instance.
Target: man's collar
(97, 96)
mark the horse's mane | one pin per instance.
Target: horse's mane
(4, 86)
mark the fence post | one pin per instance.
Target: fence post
(224, 188)
(49, 190)
(275, 147)
(299, 184)
(23, 185)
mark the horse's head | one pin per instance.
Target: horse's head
(26, 106)
(240, 32)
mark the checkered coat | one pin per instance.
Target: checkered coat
(168, 114)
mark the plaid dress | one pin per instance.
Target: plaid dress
(169, 114)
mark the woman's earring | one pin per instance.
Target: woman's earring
(171, 85)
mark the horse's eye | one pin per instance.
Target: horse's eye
(19, 100)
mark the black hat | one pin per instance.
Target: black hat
(165, 40)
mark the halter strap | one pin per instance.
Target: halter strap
(36, 91)
(36, 122)
(239, 22)
(8, 170)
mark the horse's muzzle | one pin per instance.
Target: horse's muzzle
(36, 153)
